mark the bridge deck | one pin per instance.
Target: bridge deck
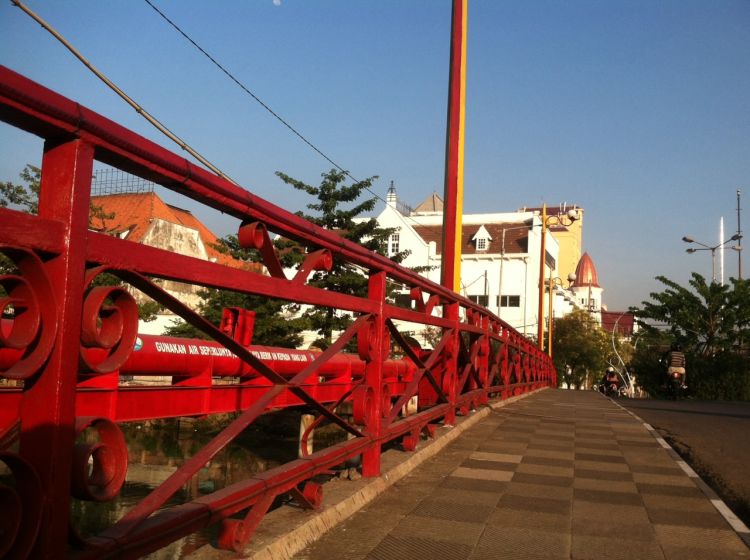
(559, 474)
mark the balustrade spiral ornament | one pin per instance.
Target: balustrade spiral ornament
(20, 507)
(109, 326)
(367, 342)
(363, 397)
(99, 466)
(29, 301)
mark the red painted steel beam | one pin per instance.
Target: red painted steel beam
(41, 111)
(48, 407)
(25, 230)
(160, 263)
(166, 526)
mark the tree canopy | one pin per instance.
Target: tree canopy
(276, 322)
(711, 322)
(708, 318)
(581, 348)
(24, 196)
(337, 208)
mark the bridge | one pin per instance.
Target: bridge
(487, 459)
(67, 348)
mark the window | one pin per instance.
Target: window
(480, 300)
(393, 245)
(510, 301)
(481, 239)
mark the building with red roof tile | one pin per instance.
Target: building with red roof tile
(145, 218)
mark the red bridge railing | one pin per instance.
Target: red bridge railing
(66, 347)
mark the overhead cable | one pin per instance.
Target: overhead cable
(129, 100)
(267, 107)
(245, 89)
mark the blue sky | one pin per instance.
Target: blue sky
(638, 111)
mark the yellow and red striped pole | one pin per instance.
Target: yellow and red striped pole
(542, 262)
(454, 151)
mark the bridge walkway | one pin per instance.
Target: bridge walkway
(559, 474)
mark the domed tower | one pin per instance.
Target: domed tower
(586, 288)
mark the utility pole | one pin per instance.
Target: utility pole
(739, 237)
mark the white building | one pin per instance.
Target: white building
(499, 260)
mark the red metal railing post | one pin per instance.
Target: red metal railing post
(48, 406)
(450, 377)
(484, 360)
(378, 352)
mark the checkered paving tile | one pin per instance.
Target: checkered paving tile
(604, 485)
(499, 457)
(528, 503)
(483, 474)
(609, 547)
(441, 530)
(480, 464)
(394, 548)
(470, 513)
(524, 543)
(524, 518)
(560, 474)
(474, 484)
(612, 526)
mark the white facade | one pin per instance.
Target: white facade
(499, 263)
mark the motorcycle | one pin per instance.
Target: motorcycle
(612, 388)
(676, 387)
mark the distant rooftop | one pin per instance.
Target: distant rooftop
(129, 216)
(432, 203)
(516, 238)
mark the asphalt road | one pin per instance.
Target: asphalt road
(713, 436)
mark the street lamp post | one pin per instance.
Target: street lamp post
(565, 220)
(552, 283)
(704, 247)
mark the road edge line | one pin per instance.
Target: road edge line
(737, 525)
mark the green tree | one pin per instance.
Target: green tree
(276, 322)
(337, 209)
(25, 197)
(712, 324)
(581, 348)
(707, 318)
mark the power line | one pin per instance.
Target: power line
(129, 100)
(245, 89)
(267, 107)
(163, 128)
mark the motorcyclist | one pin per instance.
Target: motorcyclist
(675, 360)
(610, 378)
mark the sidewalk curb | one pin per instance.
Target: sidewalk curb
(311, 528)
(743, 532)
